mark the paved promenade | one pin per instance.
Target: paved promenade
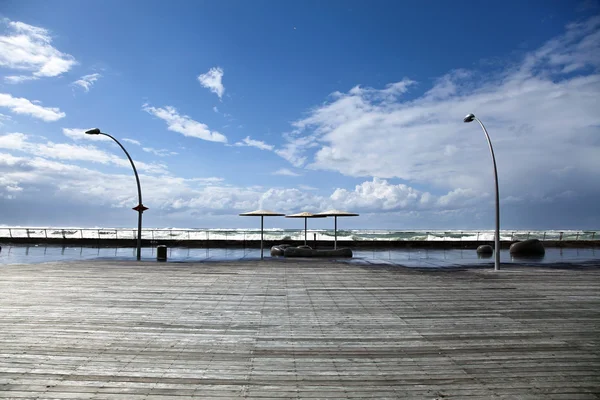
(297, 329)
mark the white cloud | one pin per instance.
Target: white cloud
(215, 109)
(541, 115)
(213, 80)
(156, 152)
(87, 81)
(285, 172)
(13, 141)
(25, 47)
(307, 187)
(4, 118)
(79, 134)
(69, 152)
(378, 194)
(159, 152)
(254, 143)
(20, 105)
(132, 141)
(184, 124)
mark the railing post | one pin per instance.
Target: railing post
(10, 232)
(63, 234)
(528, 235)
(27, 230)
(577, 236)
(593, 234)
(561, 236)
(46, 233)
(544, 236)
(477, 240)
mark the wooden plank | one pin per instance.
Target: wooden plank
(297, 329)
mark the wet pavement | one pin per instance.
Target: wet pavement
(418, 258)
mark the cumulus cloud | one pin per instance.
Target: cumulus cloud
(20, 105)
(254, 143)
(378, 194)
(87, 81)
(540, 112)
(184, 124)
(213, 80)
(29, 48)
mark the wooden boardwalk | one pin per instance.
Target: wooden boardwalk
(293, 329)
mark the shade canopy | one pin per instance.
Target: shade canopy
(305, 215)
(335, 214)
(338, 213)
(262, 213)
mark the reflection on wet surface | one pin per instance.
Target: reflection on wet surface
(408, 257)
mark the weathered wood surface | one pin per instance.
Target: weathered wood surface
(297, 329)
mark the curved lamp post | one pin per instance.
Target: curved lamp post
(140, 207)
(471, 118)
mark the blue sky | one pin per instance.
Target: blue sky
(231, 106)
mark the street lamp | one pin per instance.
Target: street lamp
(471, 118)
(140, 207)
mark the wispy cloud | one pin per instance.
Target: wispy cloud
(184, 124)
(285, 172)
(215, 109)
(79, 134)
(132, 141)
(71, 152)
(213, 80)
(254, 143)
(20, 105)
(159, 152)
(3, 118)
(25, 47)
(87, 81)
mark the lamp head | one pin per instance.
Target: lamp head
(94, 131)
(469, 118)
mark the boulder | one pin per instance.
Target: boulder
(303, 252)
(279, 249)
(485, 249)
(527, 248)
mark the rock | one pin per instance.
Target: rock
(304, 246)
(485, 249)
(278, 250)
(303, 252)
(531, 247)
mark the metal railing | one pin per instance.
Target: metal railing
(289, 234)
